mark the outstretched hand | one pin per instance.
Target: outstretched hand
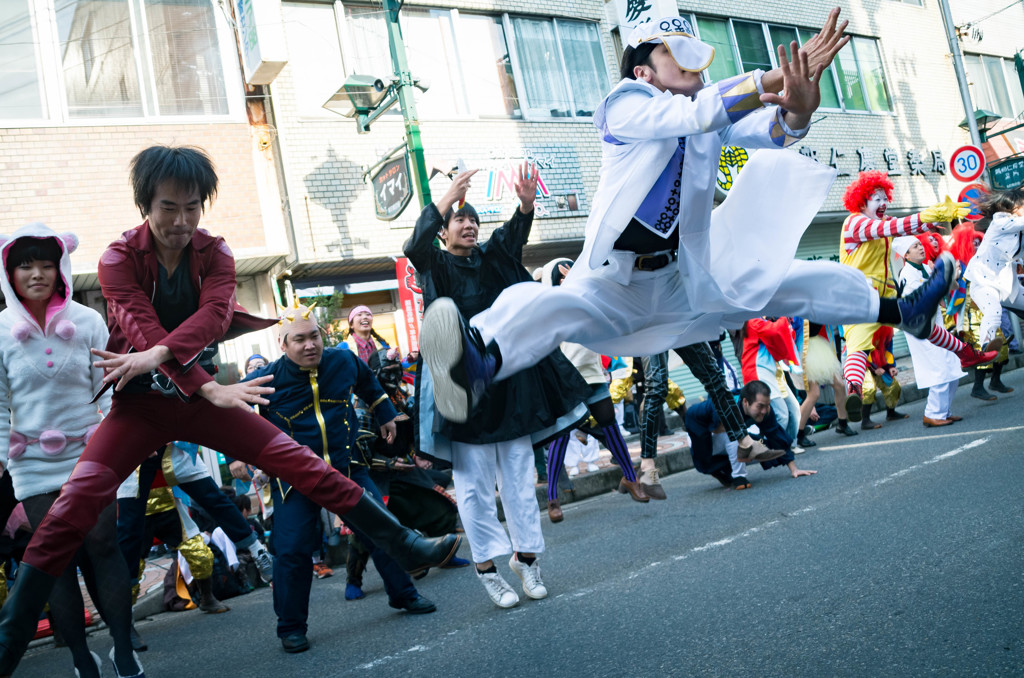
(123, 367)
(244, 394)
(800, 91)
(526, 186)
(823, 47)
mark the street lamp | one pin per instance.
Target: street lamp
(985, 121)
(364, 97)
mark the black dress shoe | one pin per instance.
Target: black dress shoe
(295, 643)
(418, 605)
(804, 441)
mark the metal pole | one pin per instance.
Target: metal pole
(404, 87)
(961, 74)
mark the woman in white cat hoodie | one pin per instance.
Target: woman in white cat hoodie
(47, 382)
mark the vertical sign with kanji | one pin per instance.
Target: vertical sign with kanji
(632, 13)
(410, 297)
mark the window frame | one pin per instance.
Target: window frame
(987, 83)
(766, 27)
(52, 84)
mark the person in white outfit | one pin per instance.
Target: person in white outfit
(659, 269)
(992, 272)
(935, 368)
(47, 382)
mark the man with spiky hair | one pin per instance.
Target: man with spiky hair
(170, 291)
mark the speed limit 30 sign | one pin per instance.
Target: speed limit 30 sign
(967, 163)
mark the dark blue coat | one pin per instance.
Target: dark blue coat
(702, 420)
(315, 406)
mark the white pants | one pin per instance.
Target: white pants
(940, 400)
(652, 313)
(476, 469)
(787, 413)
(720, 444)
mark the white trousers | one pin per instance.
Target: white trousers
(987, 299)
(940, 400)
(476, 469)
(651, 313)
(720, 444)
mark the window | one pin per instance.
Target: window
(116, 59)
(995, 85)
(854, 82)
(463, 58)
(562, 66)
(314, 56)
(21, 95)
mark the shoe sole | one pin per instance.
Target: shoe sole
(655, 494)
(442, 348)
(440, 563)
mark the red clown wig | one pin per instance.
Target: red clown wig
(933, 244)
(965, 242)
(859, 191)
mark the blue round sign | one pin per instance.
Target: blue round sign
(972, 193)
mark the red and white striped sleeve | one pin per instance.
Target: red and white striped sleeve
(861, 229)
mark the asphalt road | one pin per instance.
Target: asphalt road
(902, 557)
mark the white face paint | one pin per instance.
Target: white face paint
(876, 205)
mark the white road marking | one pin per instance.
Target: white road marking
(719, 543)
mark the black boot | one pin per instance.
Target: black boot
(865, 419)
(891, 414)
(19, 616)
(844, 428)
(996, 383)
(409, 548)
(208, 602)
(979, 391)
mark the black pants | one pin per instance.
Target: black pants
(701, 361)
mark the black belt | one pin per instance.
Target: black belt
(653, 262)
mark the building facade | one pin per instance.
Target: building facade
(87, 84)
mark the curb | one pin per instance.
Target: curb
(678, 459)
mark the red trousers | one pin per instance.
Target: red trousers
(139, 424)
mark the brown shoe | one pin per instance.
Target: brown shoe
(634, 490)
(929, 422)
(555, 511)
(651, 484)
(757, 452)
(953, 417)
(994, 345)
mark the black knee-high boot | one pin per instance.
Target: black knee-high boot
(20, 614)
(410, 549)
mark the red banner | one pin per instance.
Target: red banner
(411, 298)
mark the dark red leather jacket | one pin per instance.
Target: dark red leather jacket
(128, 274)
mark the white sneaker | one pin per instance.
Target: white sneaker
(265, 564)
(593, 468)
(574, 471)
(498, 589)
(530, 574)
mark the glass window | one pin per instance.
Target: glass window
(368, 52)
(183, 46)
(541, 67)
(997, 84)
(715, 32)
(588, 77)
(98, 57)
(752, 46)
(487, 67)
(849, 80)
(314, 55)
(1013, 86)
(20, 91)
(829, 94)
(430, 50)
(873, 76)
(977, 79)
(781, 35)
